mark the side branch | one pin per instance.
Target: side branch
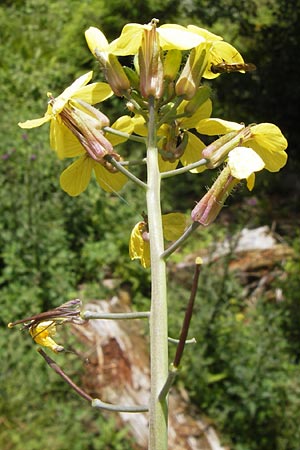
(181, 240)
(172, 173)
(64, 376)
(125, 172)
(86, 315)
(95, 402)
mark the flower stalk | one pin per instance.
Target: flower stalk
(158, 436)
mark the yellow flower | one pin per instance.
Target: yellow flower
(218, 52)
(139, 244)
(61, 138)
(42, 334)
(75, 178)
(76, 130)
(171, 36)
(221, 52)
(243, 162)
(269, 143)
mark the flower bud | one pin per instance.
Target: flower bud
(113, 71)
(132, 77)
(190, 77)
(171, 64)
(150, 63)
(116, 76)
(211, 204)
(197, 101)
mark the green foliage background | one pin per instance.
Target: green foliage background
(244, 374)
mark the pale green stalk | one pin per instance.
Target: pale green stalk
(87, 315)
(158, 417)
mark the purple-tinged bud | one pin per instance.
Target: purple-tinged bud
(116, 76)
(211, 204)
(150, 63)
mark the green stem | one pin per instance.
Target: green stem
(171, 112)
(181, 240)
(172, 173)
(134, 162)
(158, 427)
(125, 171)
(97, 403)
(131, 137)
(87, 315)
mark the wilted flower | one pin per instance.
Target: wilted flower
(76, 130)
(42, 327)
(62, 138)
(139, 244)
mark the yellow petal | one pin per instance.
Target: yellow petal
(221, 52)
(96, 40)
(41, 334)
(251, 181)
(193, 152)
(138, 247)
(173, 36)
(129, 41)
(244, 161)
(124, 124)
(140, 126)
(75, 178)
(201, 113)
(214, 126)
(94, 93)
(33, 123)
(60, 101)
(77, 84)
(268, 141)
(174, 225)
(204, 33)
(63, 141)
(166, 166)
(110, 182)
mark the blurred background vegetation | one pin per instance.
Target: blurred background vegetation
(244, 376)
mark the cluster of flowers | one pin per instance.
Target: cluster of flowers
(168, 64)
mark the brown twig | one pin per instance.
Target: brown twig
(183, 335)
(65, 377)
(187, 318)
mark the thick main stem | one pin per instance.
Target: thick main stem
(158, 428)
